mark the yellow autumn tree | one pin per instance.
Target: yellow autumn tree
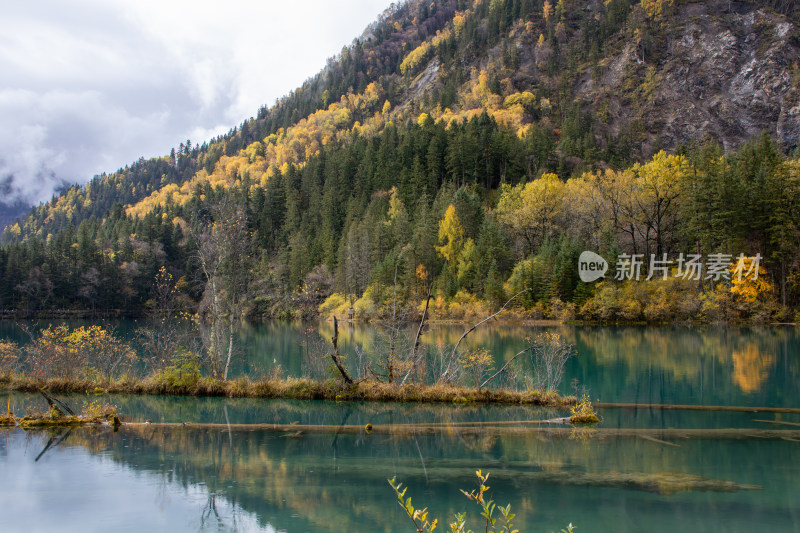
(547, 11)
(749, 281)
(458, 23)
(532, 210)
(657, 191)
(587, 207)
(451, 237)
(656, 9)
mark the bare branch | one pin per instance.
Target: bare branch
(502, 369)
(414, 361)
(446, 375)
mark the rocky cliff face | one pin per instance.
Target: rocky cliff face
(729, 71)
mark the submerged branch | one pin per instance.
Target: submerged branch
(57, 404)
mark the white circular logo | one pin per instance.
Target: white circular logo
(591, 267)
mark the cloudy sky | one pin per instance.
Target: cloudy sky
(89, 86)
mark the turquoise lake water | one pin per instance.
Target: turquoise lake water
(195, 479)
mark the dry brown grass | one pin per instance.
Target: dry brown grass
(291, 388)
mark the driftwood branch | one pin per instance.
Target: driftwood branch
(57, 404)
(446, 373)
(502, 369)
(335, 355)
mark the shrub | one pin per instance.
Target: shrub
(182, 373)
(371, 302)
(98, 410)
(476, 364)
(64, 353)
(549, 353)
(334, 305)
(583, 412)
(9, 356)
(561, 311)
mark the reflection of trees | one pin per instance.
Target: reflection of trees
(750, 368)
(676, 353)
(282, 476)
(255, 410)
(723, 359)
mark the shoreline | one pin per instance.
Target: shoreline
(464, 321)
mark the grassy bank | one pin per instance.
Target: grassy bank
(286, 388)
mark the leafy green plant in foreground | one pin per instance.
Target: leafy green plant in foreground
(503, 521)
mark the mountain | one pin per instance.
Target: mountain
(457, 103)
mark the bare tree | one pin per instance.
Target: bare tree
(168, 327)
(416, 354)
(396, 360)
(90, 286)
(337, 360)
(36, 289)
(224, 255)
(314, 354)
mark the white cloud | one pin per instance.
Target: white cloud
(92, 85)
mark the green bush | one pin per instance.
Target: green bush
(182, 373)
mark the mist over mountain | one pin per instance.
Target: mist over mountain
(88, 87)
(9, 213)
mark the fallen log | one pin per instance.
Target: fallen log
(778, 422)
(666, 434)
(679, 407)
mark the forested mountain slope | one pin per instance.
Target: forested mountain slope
(418, 152)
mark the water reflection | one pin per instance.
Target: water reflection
(751, 368)
(670, 364)
(193, 478)
(78, 485)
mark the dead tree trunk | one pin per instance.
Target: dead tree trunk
(335, 354)
(415, 349)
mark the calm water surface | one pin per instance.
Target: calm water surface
(192, 479)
